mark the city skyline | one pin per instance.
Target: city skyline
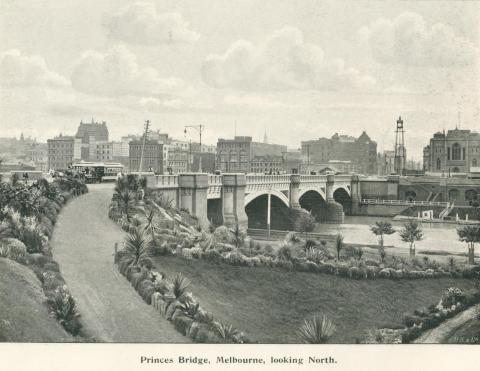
(125, 62)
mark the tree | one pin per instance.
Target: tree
(338, 244)
(381, 229)
(411, 233)
(304, 223)
(470, 235)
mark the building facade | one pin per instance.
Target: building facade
(152, 156)
(267, 164)
(457, 151)
(38, 155)
(361, 151)
(235, 155)
(177, 161)
(90, 134)
(104, 151)
(62, 151)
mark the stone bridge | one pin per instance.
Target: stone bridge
(228, 198)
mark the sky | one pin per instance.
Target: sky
(298, 70)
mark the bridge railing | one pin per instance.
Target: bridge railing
(167, 181)
(313, 178)
(214, 179)
(258, 182)
(370, 201)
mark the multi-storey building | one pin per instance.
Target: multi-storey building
(152, 156)
(104, 151)
(235, 155)
(178, 160)
(62, 151)
(361, 151)
(457, 151)
(267, 164)
(38, 154)
(90, 134)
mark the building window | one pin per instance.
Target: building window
(456, 152)
(474, 162)
(439, 164)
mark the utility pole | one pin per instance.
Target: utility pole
(399, 148)
(199, 128)
(145, 134)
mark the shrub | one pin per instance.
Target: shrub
(146, 288)
(327, 268)
(286, 252)
(384, 273)
(452, 296)
(12, 248)
(411, 320)
(196, 252)
(52, 280)
(285, 264)
(182, 324)
(372, 271)
(227, 333)
(62, 307)
(236, 258)
(316, 331)
(224, 235)
(411, 334)
(180, 285)
(37, 259)
(213, 256)
(52, 266)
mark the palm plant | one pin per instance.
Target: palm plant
(380, 229)
(137, 245)
(180, 284)
(411, 233)
(239, 235)
(338, 243)
(126, 201)
(225, 332)
(149, 222)
(470, 235)
(190, 309)
(316, 330)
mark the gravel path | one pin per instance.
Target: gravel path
(111, 310)
(440, 333)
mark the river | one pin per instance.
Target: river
(356, 229)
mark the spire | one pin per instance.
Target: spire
(265, 139)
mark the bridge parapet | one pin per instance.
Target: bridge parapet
(260, 182)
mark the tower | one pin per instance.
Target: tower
(400, 155)
(265, 139)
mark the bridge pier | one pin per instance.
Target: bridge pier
(294, 191)
(193, 189)
(233, 200)
(335, 212)
(356, 194)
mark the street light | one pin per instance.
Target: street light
(199, 128)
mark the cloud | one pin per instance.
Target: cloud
(116, 73)
(408, 40)
(19, 70)
(284, 61)
(140, 23)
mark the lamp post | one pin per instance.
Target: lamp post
(199, 128)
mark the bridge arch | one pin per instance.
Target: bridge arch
(314, 201)
(253, 195)
(256, 208)
(342, 196)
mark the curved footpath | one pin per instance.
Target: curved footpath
(83, 244)
(440, 333)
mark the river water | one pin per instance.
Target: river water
(436, 236)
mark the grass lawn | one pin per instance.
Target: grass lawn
(269, 305)
(23, 315)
